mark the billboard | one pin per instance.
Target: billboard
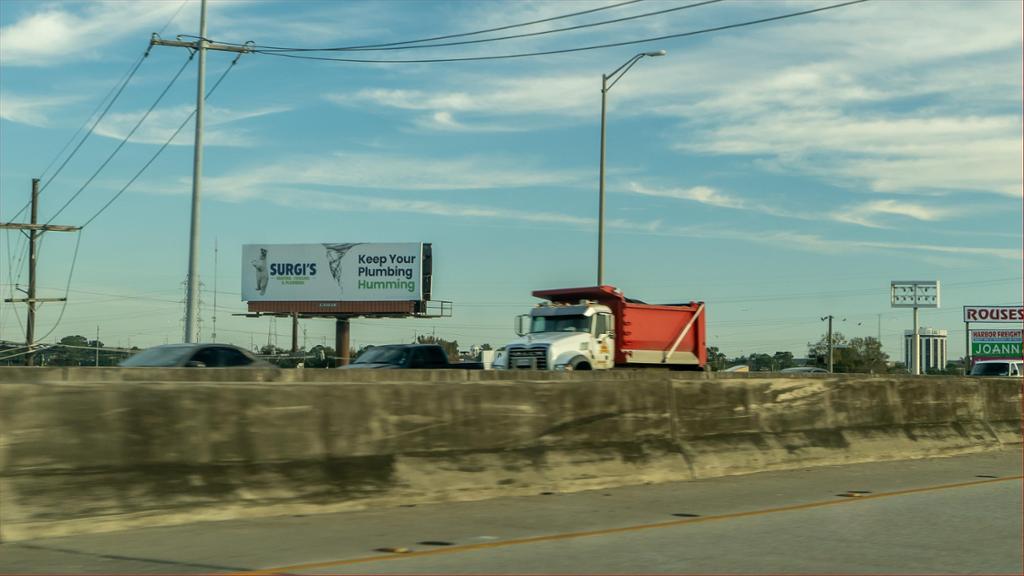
(914, 293)
(993, 314)
(334, 272)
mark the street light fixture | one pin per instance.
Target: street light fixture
(615, 76)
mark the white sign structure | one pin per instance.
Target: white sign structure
(915, 294)
(332, 272)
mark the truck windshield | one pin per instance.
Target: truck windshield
(382, 355)
(991, 369)
(559, 324)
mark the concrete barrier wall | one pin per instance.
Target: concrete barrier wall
(99, 449)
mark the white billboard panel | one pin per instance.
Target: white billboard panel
(333, 272)
(914, 293)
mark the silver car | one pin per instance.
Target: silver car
(804, 370)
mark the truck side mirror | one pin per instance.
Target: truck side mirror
(522, 321)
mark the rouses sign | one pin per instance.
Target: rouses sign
(993, 314)
(332, 272)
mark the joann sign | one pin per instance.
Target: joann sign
(333, 272)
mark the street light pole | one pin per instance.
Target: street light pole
(615, 76)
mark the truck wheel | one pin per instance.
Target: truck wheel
(578, 364)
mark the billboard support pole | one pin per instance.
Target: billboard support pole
(967, 348)
(341, 340)
(295, 333)
(916, 359)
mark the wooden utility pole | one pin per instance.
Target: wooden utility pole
(33, 230)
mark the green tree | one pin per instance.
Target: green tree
(451, 348)
(320, 357)
(782, 360)
(859, 355)
(716, 359)
(760, 362)
(73, 351)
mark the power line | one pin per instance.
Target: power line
(512, 37)
(119, 86)
(568, 50)
(119, 89)
(125, 140)
(122, 83)
(460, 35)
(163, 147)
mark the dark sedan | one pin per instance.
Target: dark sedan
(195, 356)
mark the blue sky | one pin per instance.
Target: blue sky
(780, 172)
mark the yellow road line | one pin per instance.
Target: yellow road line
(605, 531)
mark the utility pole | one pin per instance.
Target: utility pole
(33, 230)
(829, 318)
(97, 343)
(201, 45)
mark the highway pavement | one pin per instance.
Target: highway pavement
(952, 515)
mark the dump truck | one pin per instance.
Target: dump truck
(598, 328)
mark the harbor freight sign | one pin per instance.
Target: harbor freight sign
(993, 314)
(996, 343)
(332, 272)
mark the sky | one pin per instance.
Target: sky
(780, 172)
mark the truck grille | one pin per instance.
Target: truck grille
(528, 358)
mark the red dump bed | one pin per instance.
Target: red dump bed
(645, 333)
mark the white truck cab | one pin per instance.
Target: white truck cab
(562, 337)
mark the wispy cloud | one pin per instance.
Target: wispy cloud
(907, 154)
(54, 34)
(446, 122)
(536, 101)
(31, 110)
(872, 214)
(702, 194)
(396, 172)
(867, 214)
(162, 123)
(869, 107)
(284, 185)
(829, 245)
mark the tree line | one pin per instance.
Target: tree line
(854, 355)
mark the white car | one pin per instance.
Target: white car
(998, 368)
(804, 370)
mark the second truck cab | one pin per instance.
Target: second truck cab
(564, 337)
(597, 328)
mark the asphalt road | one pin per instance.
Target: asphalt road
(945, 515)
